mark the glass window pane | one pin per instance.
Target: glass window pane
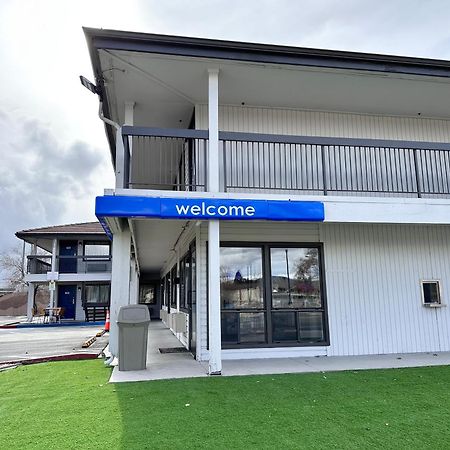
(96, 293)
(147, 295)
(90, 293)
(295, 278)
(252, 327)
(431, 292)
(104, 293)
(173, 287)
(241, 279)
(230, 328)
(310, 326)
(284, 326)
(194, 278)
(94, 249)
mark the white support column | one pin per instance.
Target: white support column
(213, 127)
(30, 296)
(134, 283)
(120, 282)
(120, 161)
(215, 345)
(54, 253)
(30, 302)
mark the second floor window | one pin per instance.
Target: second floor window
(97, 249)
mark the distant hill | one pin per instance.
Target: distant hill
(15, 304)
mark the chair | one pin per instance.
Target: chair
(42, 315)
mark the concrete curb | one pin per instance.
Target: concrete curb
(69, 357)
(51, 325)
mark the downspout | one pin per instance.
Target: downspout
(105, 119)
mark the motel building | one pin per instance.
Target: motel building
(285, 201)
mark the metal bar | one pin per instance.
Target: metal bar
(324, 172)
(318, 140)
(224, 152)
(416, 169)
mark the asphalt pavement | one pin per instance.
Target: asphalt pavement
(28, 343)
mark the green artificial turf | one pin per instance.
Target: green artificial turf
(70, 405)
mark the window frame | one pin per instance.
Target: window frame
(267, 286)
(438, 304)
(97, 256)
(96, 284)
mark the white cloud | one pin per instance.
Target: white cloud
(42, 181)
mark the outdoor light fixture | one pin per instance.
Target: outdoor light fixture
(90, 86)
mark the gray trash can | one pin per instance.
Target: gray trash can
(133, 323)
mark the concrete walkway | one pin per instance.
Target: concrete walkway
(183, 365)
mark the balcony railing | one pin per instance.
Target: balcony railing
(38, 264)
(166, 159)
(250, 162)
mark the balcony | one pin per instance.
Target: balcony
(82, 264)
(176, 159)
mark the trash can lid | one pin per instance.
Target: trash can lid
(133, 314)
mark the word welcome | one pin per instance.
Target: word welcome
(208, 208)
(213, 210)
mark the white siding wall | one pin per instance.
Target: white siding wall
(373, 275)
(333, 124)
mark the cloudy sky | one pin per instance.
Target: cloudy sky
(54, 157)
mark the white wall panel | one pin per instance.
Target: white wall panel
(373, 275)
(332, 124)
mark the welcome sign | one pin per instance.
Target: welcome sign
(208, 208)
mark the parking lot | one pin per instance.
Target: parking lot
(28, 343)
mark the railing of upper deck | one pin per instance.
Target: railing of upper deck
(251, 162)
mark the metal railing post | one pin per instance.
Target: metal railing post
(324, 172)
(416, 169)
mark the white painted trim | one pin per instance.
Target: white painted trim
(338, 209)
(282, 352)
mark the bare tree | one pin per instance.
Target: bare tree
(12, 265)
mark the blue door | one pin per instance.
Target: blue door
(67, 296)
(67, 256)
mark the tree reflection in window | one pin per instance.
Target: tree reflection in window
(295, 278)
(241, 278)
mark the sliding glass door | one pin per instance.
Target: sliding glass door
(272, 296)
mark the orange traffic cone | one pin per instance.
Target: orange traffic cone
(107, 321)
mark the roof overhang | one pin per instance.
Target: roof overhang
(167, 76)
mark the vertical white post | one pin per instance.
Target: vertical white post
(120, 161)
(129, 113)
(30, 301)
(215, 347)
(30, 296)
(120, 282)
(134, 284)
(54, 252)
(213, 127)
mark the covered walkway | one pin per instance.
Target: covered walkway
(162, 366)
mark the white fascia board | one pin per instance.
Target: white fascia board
(338, 209)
